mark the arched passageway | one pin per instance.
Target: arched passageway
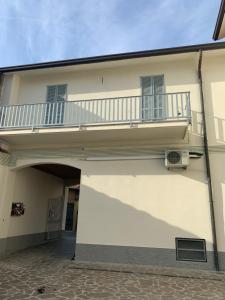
(45, 208)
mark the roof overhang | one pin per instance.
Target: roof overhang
(219, 31)
(115, 57)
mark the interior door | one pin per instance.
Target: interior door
(153, 98)
(56, 96)
(69, 216)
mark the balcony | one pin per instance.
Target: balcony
(119, 112)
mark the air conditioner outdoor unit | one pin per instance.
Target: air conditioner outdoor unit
(177, 159)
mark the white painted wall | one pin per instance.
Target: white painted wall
(140, 203)
(214, 87)
(33, 188)
(111, 81)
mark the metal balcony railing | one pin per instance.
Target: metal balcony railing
(152, 108)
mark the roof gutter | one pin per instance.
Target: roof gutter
(207, 163)
(115, 57)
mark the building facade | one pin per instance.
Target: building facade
(145, 130)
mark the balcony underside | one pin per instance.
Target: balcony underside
(149, 132)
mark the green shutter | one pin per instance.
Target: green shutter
(61, 92)
(153, 103)
(146, 84)
(56, 93)
(51, 93)
(158, 84)
(54, 113)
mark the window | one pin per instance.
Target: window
(191, 249)
(56, 93)
(56, 96)
(153, 98)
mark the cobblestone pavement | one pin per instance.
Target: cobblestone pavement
(45, 268)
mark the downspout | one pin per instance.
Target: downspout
(207, 163)
(1, 86)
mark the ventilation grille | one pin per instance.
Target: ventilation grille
(191, 249)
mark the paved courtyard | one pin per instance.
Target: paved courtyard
(46, 272)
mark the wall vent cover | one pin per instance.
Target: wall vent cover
(191, 249)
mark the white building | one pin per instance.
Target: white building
(110, 123)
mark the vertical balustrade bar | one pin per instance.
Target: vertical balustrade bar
(48, 111)
(109, 110)
(105, 111)
(10, 113)
(89, 114)
(22, 115)
(122, 103)
(29, 115)
(9, 116)
(15, 117)
(117, 110)
(54, 116)
(177, 105)
(113, 110)
(182, 105)
(6, 116)
(2, 116)
(188, 107)
(41, 116)
(172, 102)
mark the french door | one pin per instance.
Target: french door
(56, 96)
(153, 97)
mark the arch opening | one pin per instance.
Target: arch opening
(49, 194)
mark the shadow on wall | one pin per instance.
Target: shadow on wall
(215, 130)
(214, 105)
(124, 223)
(105, 220)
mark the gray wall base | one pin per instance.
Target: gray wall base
(12, 244)
(138, 255)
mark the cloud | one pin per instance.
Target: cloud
(43, 30)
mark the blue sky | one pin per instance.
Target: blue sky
(45, 30)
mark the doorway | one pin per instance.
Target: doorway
(63, 209)
(72, 208)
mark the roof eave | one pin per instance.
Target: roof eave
(115, 57)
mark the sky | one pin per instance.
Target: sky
(34, 31)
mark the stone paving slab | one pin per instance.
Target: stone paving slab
(23, 273)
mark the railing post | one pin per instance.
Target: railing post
(130, 111)
(140, 108)
(189, 107)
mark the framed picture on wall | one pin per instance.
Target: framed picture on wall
(17, 209)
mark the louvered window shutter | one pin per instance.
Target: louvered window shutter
(51, 93)
(61, 92)
(153, 104)
(147, 87)
(158, 84)
(55, 111)
(56, 93)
